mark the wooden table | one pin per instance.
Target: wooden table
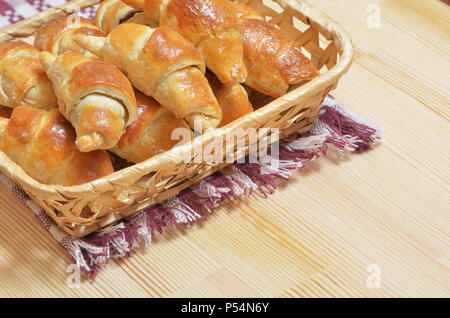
(322, 233)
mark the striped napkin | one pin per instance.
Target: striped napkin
(336, 127)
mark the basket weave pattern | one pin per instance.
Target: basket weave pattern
(80, 210)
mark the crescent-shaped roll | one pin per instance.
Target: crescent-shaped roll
(96, 97)
(233, 99)
(111, 13)
(43, 144)
(56, 36)
(23, 81)
(162, 64)
(150, 133)
(211, 25)
(273, 60)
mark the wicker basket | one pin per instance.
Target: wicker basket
(80, 210)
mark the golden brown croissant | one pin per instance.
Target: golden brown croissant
(43, 144)
(233, 99)
(23, 81)
(211, 25)
(273, 59)
(94, 96)
(162, 64)
(56, 36)
(150, 133)
(111, 13)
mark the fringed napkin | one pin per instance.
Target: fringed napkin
(336, 127)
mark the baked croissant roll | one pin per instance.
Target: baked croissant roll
(43, 144)
(56, 36)
(111, 13)
(162, 64)
(94, 96)
(150, 133)
(211, 25)
(273, 60)
(23, 81)
(232, 99)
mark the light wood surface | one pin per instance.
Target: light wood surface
(320, 231)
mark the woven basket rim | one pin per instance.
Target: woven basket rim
(136, 171)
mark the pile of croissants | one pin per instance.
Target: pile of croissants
(125, 82)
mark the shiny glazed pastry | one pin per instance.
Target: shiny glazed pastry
(23, 81)
(111, 13)
(273, 60)
(162, 64)
(56, 36)
(150, 133)
(232, 99)
(43, 144)
(94, 96)
(211, 25)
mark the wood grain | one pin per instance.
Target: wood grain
(318, 233)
